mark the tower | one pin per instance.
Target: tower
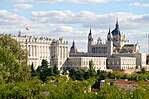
(109, 36)
(116, 35)
(90, 41)
(109, 43)
(73, 48)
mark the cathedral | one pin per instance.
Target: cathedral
(118, 52)
(115, 43)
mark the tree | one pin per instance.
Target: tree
(14, 47)
(43, 70)
(72, 74)
(80, 74)
(55, 70)
(91, 70)
(33, 71)
(143, 70)
(12, 60)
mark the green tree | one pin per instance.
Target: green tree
(55, 70)
(72, 74)
(43, 70)
(12, 60)
(91, 69)
(143, 70)
(33, 71)
(80, 74)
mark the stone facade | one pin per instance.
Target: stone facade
(54, 51)
(83, 63)
(121, 63)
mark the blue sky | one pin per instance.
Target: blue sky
(71, 19)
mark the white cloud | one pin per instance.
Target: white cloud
(136, 4)
(86, 18)
(73, 1)
(20, 7)
(8, 18)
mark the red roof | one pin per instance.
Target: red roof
(125, 82)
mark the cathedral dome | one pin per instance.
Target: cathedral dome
(116, 31)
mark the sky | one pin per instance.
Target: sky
(72, 19)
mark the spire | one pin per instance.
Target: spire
(109, 36)
(109, 30)
(73, 44)
(117, 25)
(90, 33)
(19, 33)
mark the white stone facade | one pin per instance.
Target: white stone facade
(140, 58)
(121, 63)
(83, 63)
(54, 51)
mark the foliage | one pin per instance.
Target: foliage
(12, 61)
(44, 71)
(22, 90)
(66, 89)
(143, 70)
(55, 70)
(91, 70)
(33, 71)
(81, 74)
(14, 47)
(59, 87)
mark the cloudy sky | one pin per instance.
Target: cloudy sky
(71, 19)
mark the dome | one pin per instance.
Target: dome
(116, 31)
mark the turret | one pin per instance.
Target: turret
(73, 48)
(90, 41)
(110, 43)
(109, 36)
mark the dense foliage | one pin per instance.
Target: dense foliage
(12, 61)
(57, 87)
(44, 70)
